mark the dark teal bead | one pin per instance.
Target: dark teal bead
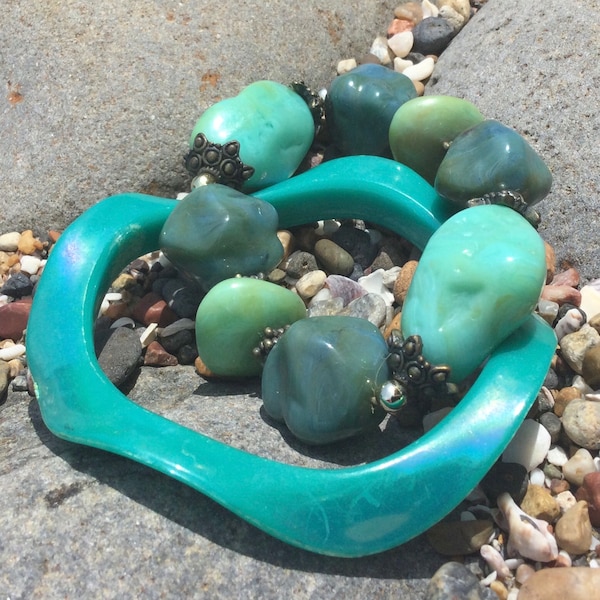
(360, 106)
(491, 157)
(321, 376)
(216, 233)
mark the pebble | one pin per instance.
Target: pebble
(346, 65)
(398, 26)
(411, 11)
(528, 536)
(151, 308)
(30, 264)
(455, 580)
(374, 284)
(540, 503)
(358, 243)
(557, 456)
(157, 356)
(421, 70)
(453, 17)
(561, 294)
(9, 242)
(590, 299)
(578, 466)
(344, 288)
(403, 280)
(552, 424)
(590, 492)
(547, 310)
(558, 486)
(401, 43)
(454, 538)
(187, 354)
(370, 306)
(529, 446)
(118, 351)
(462, 7)
(28, 244)
(148, 334)
(325, 308)
(19, 383)
(574, 583)
(571, 322)
(179, 325)
(590, 367)
(181, 297)
(11, 352)
(495, 561)
(300, 263)
(17, 285)
(432, 35)
(573, 530)
(574, 346)
(581, 421)
(335, 260)
(13, 319)
(563, 397)
(4, 379)
(505, 477)
(173, 342)
(310, 284)
(381, 49)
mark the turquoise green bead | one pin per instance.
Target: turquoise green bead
(271, 122)
(216, 232)
(321, 376)
(491, 157)
(423, 128)
(232, 318)
(360, 106)
(478, 280)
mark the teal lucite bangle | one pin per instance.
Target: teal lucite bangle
(346, 512)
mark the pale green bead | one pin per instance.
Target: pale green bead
(232, 317)
(271, 122)
(423, 128)
(479, 278)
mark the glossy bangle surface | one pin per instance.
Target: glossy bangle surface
(347, 512)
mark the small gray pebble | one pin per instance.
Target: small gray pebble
(118, 351)
(552, 471)
(552, 423)
(19, 383)
(300, 263)
(370, 306)
(551, 381)
(454, 580)
(173, 343)
(432, 36)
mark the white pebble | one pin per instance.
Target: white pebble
(421, 70)
(113, 296)
(346, 65)
(401, 64)
(178, 326)
(9, 242)
(514, 563)
(579, 383)
(30, 264)
(123, 322)
(390, 276)
(565, 500)
(181, 195)
(148, 335)
(310, 284)
(327, 227)
(548, 310)
(594, 563)
(572, 321)
(529, 446)
(401, 43)
(590, 298)
(579, 465)
(324, 294)
(373, 283)
(429, 9)
(537, 477)
(557, 456)
(12, 352)
(379, 48)
(513, 594)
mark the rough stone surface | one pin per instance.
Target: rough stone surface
(540, 85)
(79, 521)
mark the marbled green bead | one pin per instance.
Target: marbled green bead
(491, 157)
(320, 378)
(478, 280)
(216, 232)
(271, 122)
(360, 106)
(232, 318)
(423, 128)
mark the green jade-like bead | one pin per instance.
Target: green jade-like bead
(271, 122)
(320, 377)
(216, 232)
(491, 157)
(360, 105)
(232, 317)
(423, 128)
(478, 280)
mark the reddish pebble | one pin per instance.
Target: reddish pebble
(13, 319)
(398, 26)
(153, 309)
(157, 356)
(562, 294)
(569, 277)
(590, 492)
(559, 485)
